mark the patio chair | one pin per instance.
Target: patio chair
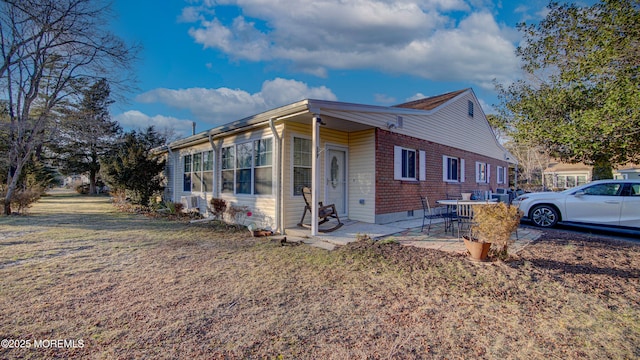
(464, 216)
(431, 213)
(325, 212)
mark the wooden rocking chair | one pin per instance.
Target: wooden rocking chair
(325, 212)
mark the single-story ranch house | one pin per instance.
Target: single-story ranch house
(372, 162)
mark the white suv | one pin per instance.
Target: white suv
(604, 204)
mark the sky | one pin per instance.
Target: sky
(216, 61)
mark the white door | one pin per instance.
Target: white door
(336, 179)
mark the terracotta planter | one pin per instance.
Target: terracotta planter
(478, 251)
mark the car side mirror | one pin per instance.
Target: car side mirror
(579, 193)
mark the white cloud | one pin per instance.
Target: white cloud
(136, 120)
(416, 37)
(223, 105)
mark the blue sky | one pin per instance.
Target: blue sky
(216, 61)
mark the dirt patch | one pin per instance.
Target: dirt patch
(149, 288)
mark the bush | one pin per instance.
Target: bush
(218, 207)
(23, 199)
(494, 224)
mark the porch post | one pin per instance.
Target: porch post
(315, 143)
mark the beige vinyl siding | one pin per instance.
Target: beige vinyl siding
(362, 176)
(293, 206)
(452, 126)
(262, 207)
(448, 124)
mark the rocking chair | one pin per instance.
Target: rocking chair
(325, 212)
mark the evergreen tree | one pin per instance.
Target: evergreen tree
(87, 133)
(132, 166)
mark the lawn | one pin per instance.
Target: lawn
(125, 286)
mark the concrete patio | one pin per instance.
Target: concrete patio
(405, 232)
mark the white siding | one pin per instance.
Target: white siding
(449, 125)
(362, 176)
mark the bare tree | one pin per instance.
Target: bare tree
(47, 46)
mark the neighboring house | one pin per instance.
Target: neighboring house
(372, 162)
(629, 171)
(560, 175)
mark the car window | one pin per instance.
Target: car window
(635, 190)
(603, 189)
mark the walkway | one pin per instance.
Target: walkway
(405, 232)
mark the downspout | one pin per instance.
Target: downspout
(279, 218)
(216, 151)
(172, 174)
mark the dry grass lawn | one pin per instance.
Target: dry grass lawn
(134, 287)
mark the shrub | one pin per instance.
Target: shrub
(23, 199)
(218, 207)
(494, 224)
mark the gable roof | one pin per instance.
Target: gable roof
(430, 103)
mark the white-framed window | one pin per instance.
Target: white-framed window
(502, 175)
(186, 179)
(247, 168)
(198, 172)
(452, 169)
(301, 164)
(483, 172)
(404, 164)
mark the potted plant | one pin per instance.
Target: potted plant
(492, 224)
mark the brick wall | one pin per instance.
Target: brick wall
(396, 196)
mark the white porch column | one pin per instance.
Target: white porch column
(315, 144)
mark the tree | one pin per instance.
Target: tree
(133, 167)
(87, 133)
(580, 99)
(47, 46)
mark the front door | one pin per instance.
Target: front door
(336, 179)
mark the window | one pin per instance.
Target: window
(263, 178)
(404, 164)
(452, 169)
(198, 172)
(482, 172)
(502, 175)
(470, 108)
(610, 189)
(301, 164)
(207, 171)
(228, 168)
(247, 168)
(186, 179)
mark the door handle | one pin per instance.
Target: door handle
(612, 202)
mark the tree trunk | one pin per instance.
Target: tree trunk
(602, 169)
(92, 182)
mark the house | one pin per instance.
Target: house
(372, 162)
(559, 175)
(629, 171)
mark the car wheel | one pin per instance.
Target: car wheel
(544, 216)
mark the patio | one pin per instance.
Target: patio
(405, 232)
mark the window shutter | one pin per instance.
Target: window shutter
(462, 179)
(397, 163)
(423, 165)
(444, 168)
(488, 173)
